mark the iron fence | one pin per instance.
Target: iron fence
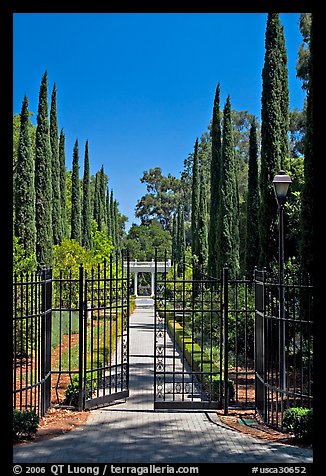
(32, 295)
(68, 331)
(284, 345)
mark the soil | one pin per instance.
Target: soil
(58, 420)
(247, 422)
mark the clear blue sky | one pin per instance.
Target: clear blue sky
(140, 87)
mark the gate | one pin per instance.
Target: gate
(204, 340)
(71, 337)
(105, 335)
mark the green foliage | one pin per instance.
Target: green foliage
(275, 126)
(25, 424)
(86, 208)
(161, 200)
(304, 49)
(228, 232)
(72, 390)
(195, 202)
(24, 224)
(21, 261)
(75, 198)
(199, 361)
(295, 168)
(202, 224)
(299, 421)
(142, 240)
(102, 245)
(215, 186)
(252, 225)
(55, 169)
(63, 188)
(43, 185)
(307, 210)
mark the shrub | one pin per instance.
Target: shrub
(200, 362)
(299, 421)
(72, 390)
(25, 424)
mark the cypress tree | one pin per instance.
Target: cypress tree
(24, 187)
(274, 138)
(55, 169)
(113, 220)
(252, 204)
(202, 222)
(174, 239)
(75, 198)
(102, 199)
(96, 205)
(180, 241)
(307, 235)
(63, 191)
(195, 201)
(215, 186)
(86, 210)
(43, 182)
(228, 232)
(116, 226)
(108, 214)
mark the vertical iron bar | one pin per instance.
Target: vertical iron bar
(226, 340)
(128, 317)
(155, 326)
(81, 350)
(98, 363)
(111, 327)
(104, 327)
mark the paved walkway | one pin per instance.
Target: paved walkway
(131, 432)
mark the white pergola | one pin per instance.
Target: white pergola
(147, 267)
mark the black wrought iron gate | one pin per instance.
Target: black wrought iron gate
(104, 363)
(204, 340)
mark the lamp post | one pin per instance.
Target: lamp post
(281, 184)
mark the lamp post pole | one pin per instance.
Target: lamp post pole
(282, 354)
(281, 184)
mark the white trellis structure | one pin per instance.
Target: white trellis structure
(147, 267)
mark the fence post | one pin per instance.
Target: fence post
(46, 328)
(226, 338)
(82, 316)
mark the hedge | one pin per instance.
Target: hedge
(199, 363)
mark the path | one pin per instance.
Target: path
(131, 432)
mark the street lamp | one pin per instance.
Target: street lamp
(281, 183)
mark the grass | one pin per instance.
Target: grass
(69, 322)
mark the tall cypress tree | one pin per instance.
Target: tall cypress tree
(113, 221)
(195, 201)
(274, 138)
(24, 187)
(55, 169)
(180, 240)
(116, 226)
(75, 198)
(96, 204)
(228, 233)
(102, 197)
(215, 186)
(174, 239)
(108, 213)
(43, 182)
(63, 188)
(202, 221)
(307, 234)
(86, 209)
(252, 204)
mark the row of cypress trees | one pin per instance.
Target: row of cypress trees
(40, 189)
(215, 234)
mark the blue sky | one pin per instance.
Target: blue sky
(140, 86)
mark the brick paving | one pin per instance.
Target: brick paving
(131, 432)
